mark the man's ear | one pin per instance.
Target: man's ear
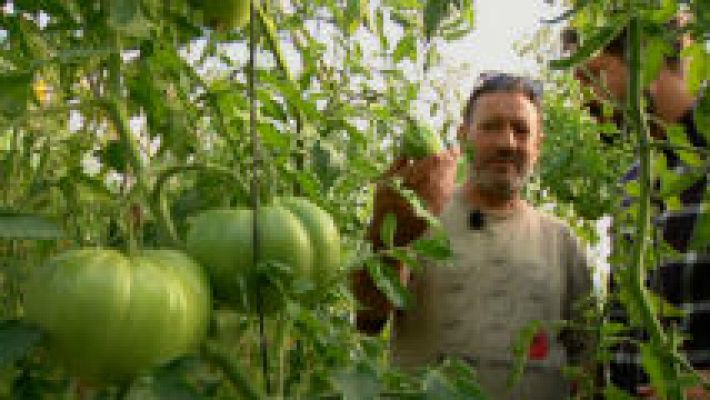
(462, 133)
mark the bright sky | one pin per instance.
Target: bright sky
(499, 25)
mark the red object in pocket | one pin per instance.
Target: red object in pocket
(540, 346)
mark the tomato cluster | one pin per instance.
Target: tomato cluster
(109, 317)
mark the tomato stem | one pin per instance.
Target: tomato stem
(256, 161)
(160, 207)
(640, 294)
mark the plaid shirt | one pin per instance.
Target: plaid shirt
(683, 280)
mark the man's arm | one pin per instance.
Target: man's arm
(433, 180)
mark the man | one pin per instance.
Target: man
(683, 280)
(512, 264)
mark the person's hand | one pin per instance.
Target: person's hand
(432, 179)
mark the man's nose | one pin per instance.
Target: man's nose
(506, 138)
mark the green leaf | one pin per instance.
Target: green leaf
(468, 12)
(456, 34)
(380, 27)
(437, 387)
(114, 155)
(463, 377)
(614, 393)
(633, 189)
(404, 256)
(272, 38)
(672, 183)
(654, 367)
(699, 68)
(434, 13)
(16, 340)
(126, 16)
(655, 52)
(601, 38)
(365, 14)
(678, 137)
(15, 92)
(386, 279)
(663, 307)
(357, 12)
(437, 248)
(520, 351)
(701, 233)
(387, 230)
(702, 116)
(415, 202)
(406, 48)
(28, 226)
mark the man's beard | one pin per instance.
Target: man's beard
(501, 185)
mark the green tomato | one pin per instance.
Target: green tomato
(323, 235)
(109, 317)
(293, 232)
(222, 241)
(420, 142)
(226, 14)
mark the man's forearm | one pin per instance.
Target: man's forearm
(439, 172)
(373, 306)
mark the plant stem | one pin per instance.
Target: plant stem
(117, 113)
(256, 154)
(281, 338)
(638, 289)
(160, 206)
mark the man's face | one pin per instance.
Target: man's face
(505, 134)
(607, 76)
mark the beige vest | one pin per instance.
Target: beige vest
(524, 267)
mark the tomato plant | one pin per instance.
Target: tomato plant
(123, 123)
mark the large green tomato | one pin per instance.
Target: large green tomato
(420, 142)
(221, 240)
(293, 232)
(323, 235)
(226, 14)
(109, 317)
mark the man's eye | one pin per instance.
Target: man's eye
(521, 129)
(489, 125)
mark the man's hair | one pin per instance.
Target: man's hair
(617, 47)
(495, 82)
